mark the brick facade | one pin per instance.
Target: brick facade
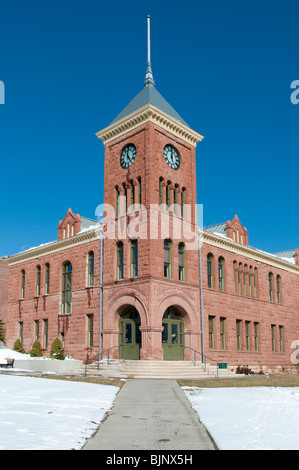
(243, 322)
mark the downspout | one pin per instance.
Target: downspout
(201, 299)
(101, 295)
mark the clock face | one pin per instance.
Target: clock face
(172, 157)
(127, 156)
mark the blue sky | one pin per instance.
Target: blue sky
(69, 68)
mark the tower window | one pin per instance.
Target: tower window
(167, 258)
(182, 269)
(134, 258)
(120, 261)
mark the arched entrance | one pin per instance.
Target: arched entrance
(173, 335)
(129, 334)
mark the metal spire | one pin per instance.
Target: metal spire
(149, 79)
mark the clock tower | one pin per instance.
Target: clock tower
(151, 305)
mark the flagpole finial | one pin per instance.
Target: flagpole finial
(149, 79)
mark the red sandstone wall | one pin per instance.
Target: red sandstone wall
(85, 300)
(234, 306)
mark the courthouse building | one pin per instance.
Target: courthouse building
(152, 293)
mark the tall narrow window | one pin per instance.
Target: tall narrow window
(116, 202)
(139, 190)
(134, 258)
(235, 276)
(22, 284)
(239, 334)
(90, 274)
(36, 330)
(255, 282)
(273, 337)
(256, 336)
(167, 258)
(221, 273)
(183, 201)
(89, 331)
(211, 332)
(37, 281)
(47, 279)
(278, 283)
(66, 301)
(271, 287)
(120, 261)
(132, 194)
(245, 279)
(124, 199)
(281, 338)
(247, 331)
(168, 194)
(182, 270)
(240, 278)
(222, 333)
(160, 191)
(21, 331)
(176, 200)
(210, 270)
(250, 280)
(45, 337)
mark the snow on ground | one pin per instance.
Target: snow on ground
(249, 418)
(43, 414)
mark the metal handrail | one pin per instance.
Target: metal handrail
(202, 355)
(101, 355)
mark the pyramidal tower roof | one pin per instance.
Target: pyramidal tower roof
(149, 94)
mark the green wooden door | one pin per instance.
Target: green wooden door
(129, 336)
(173, 335)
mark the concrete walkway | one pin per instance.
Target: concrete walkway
(151, 414)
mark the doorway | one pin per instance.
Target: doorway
(129, 334)
(173, 335)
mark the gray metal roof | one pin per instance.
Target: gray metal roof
(288, 255)
(149, 94)
(86, 223)
(218, 228)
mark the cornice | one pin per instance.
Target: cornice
(245, 250)
(149, 113)
(55, 246)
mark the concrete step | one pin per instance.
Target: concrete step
(155, 369)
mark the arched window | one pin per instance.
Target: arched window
(255, 282)
(167, 258)
(235, 277)
(168, 201)
(278, 283)
(47, 279)
(160, 191)
(250, 280)
(38, 271)
(120, 261)
(66, 300)
(90, 269)
(271, 287)
(240, 278)
(116, 201)
(183, 201)
(134, 258)
(245, 274)
(182, 267)
(22, 284)
(210, 258)
(139, 190)
(221, 273)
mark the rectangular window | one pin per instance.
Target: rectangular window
(222, 333)
(89, 331)
(256, 336)
(273, 337)
(247, 331)
(211, 332)
(182, 273)
(134, 258)
(281, 338)
(36, 330)
(239, 334)
(45, 339)
(21, 331)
